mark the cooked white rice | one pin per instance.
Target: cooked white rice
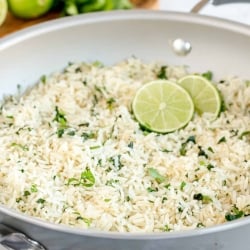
(93, 131)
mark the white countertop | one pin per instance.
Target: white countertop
(239, 12)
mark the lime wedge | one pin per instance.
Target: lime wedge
(3, 10)
(205, 95)
(162, 106)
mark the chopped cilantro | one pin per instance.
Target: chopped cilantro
(116, 161)
(162, 74)
(183, 149)
(87, 136)
(210, 149)
(23, 147)
(202, 152)
(111, 182)
(71, 133)
(150, 189)
(94, 147)
(33, 188)
(234, 214)
(156, 175)
(210, 166)
(41, 201)
(200, 224)
(245, 133)
(60, 132)
(183, 184)
(200, 197)
(208, 75)
(131, 145)
(43, 78)
(86, 179)
(26, 193)
(221, 140)
(60, 117)
(166, 228)
(164, 199)
(110, 102)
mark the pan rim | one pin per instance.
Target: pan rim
(67, 22)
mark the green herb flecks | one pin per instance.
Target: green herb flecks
(166, 228)
(210, 149)
(110, 103)
(86, 179)
(202, 152)
(183, 184)
(26, 193)
(33, 188)
(131, 145)
(210, 166)
(208, 75)
(183, 149)
(60, 132)
(116, 161)
(60, 117)
(234, 214)
(43, 79)
(87, 221)
(151, 189)
(162, 74)
(156, 175)
(41, 201)
(88, 135)
(18, 145)
(200, 225)
(244, 134)
(221, 140)
(112, 182)
(223, 106)
(204, 198)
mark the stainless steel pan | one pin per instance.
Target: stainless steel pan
(220, 46)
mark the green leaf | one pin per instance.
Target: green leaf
(234, 214)
(60, 117)
(41, 201)
(156, 175)
(23, 147)
(183, 184)
(33, 188)
(222, 139)
(162, 74)
(87, 178)
(183, 149)
(204, 198)
(245, 133)
(208, 75)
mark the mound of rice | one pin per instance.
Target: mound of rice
(72, 153)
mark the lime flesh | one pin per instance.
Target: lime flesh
(205, 95)
(162, 106)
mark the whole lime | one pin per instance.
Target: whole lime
(29, 9)
(3, 11)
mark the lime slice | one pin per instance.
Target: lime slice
(3, 10)
(29, 8)
(205, 96)
(162, 106)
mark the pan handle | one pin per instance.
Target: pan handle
(11, 239)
